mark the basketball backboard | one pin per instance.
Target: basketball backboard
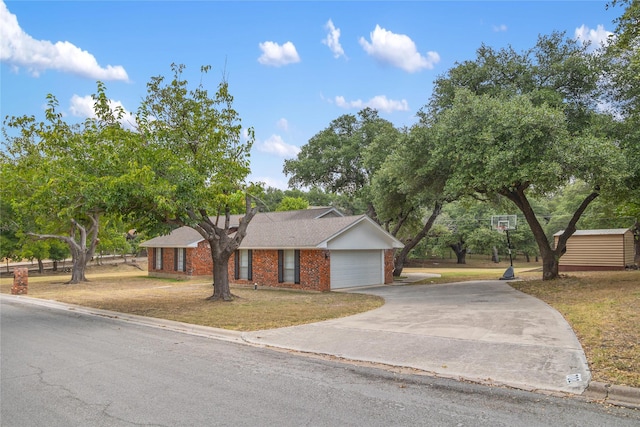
(504, 222)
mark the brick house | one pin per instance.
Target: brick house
(314, 249)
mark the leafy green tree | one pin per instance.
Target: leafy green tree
(523, 123)
(623, 88)
(57, 175)
(58, 251)
(338, 159)
(192, 168)
(270, 199)
(38, 250)
(407, 190)
(9, 229)
(511, 147)
(292, 204)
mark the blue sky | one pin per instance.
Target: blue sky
(292, 66)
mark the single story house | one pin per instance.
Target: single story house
(609, 249)
(313, 249)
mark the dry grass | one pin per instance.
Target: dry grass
(124, 289)
(604, 310)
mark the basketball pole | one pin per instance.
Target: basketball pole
(509, 248)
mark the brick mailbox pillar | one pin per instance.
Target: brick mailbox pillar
(20, 281)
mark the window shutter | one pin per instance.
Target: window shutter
(236, 265)
(250, 256)
(154, 254)
(159, 256)
(296, 267)
(184, 259)
(175, 259)
(280, 266)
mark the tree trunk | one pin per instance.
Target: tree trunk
(81, 253)
(222, 245)
(55, 265)
(79, 260)
(460, 251)
(401, 258)
(40, 266)
(549, 265)
(636, 239)
(495, 256)
(221, 288)
(550, 257)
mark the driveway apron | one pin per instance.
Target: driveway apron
(482, 331)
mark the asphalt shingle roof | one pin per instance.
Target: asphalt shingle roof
(275, 230)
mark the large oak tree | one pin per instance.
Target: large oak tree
(511, 147)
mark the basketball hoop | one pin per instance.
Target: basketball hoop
(502, 224)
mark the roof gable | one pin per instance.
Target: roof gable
(362, 234)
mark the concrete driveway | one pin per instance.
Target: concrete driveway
(481, 331)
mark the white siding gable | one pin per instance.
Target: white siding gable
(363, 235)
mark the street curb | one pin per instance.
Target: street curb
(171, 325)
(624, 396)
(618, 395)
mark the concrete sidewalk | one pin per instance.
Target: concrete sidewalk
(483, 331)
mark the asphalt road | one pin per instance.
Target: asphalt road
(60, 368)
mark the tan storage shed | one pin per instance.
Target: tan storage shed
(610, 249)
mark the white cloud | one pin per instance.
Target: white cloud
(598, 37)
(499, 28)
(283, 124)
(379, 102)
(333, 40)
(398, 50)
(276, 56)
(19, 49)
(82, 106)
(275, 145)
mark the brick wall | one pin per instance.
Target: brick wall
(388, 265)
(315, 267)
(198, 262)
(314, 270)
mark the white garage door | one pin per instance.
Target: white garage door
(356, 268)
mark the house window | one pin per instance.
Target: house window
(158, 259)
(243, 264)
(289, 266)
(179, 256)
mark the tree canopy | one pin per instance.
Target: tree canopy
(58, 176)
(517, 124)
(192, 165)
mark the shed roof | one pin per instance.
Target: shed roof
(607, 231)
